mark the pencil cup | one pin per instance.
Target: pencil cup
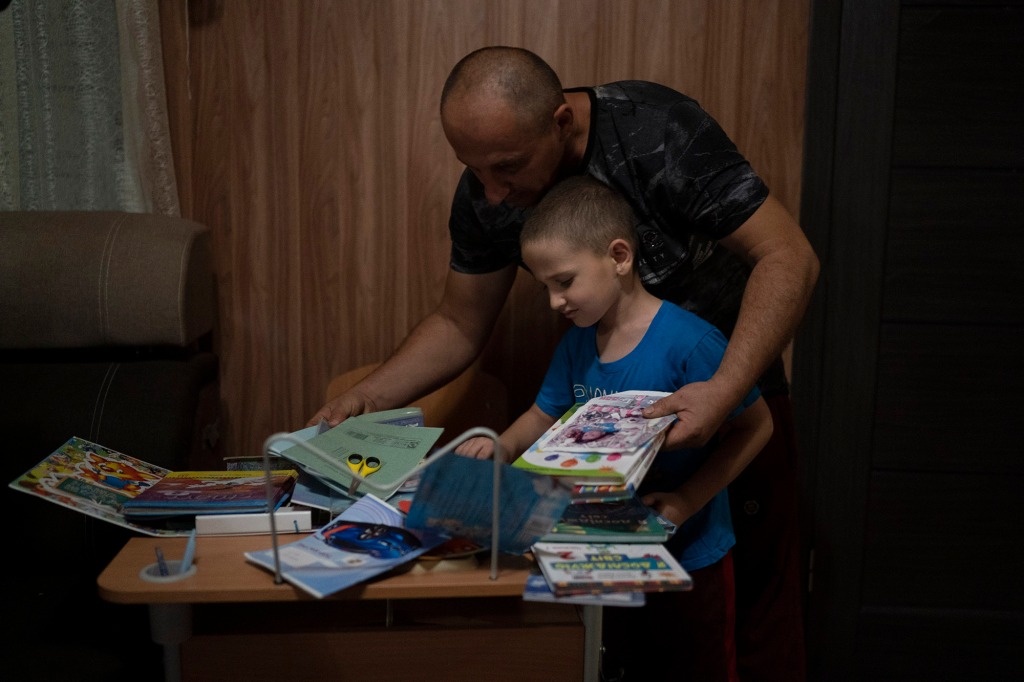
(151, 573)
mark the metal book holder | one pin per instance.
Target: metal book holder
(359, 480)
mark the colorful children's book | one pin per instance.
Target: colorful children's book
(188, 493)
(583, 568)
(628, 520)
(367, 539)
(608, 424)
(537, 589)
(94, 480)
(583, 493)
(561, 450)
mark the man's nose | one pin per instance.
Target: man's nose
(495, 192)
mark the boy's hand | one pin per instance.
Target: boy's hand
(477, 448)
(672, 506)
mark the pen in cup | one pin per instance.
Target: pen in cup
(160, 561)
(190, 551)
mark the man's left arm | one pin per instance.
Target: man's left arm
(784, 272)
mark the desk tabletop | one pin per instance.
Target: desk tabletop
(223, 575)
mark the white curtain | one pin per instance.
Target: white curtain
(83, 111)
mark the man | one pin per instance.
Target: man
(712, 240)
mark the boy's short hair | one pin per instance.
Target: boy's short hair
(584, 212)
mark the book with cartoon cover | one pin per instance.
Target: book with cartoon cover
(569, 449)
(586, 568)
(95, 480)
(607, 424)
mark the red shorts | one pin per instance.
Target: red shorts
(767, 556)
(676, 635)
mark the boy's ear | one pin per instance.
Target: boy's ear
(622, 253)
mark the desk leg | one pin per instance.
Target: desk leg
(170, 625)
(592, 639)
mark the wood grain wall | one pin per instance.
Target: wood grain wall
(306, 136)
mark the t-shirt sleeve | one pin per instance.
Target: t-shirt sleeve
(706, 177)
(704, 360)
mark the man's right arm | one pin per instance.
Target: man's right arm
(437, 350)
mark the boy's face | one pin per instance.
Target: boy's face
(582, 285)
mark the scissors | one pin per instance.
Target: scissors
(364, 466)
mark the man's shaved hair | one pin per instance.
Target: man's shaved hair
(585, 213)
(516, 76)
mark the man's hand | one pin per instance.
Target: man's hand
(346, 405)
(700, 409)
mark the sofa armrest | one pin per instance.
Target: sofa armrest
(81, 279)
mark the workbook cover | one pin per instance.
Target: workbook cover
(385, 454)
(578, 568)
(187, 493)
(368, 539)
(607, 424)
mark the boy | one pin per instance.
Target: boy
(580, 243)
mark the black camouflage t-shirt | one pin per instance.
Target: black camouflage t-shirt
(686, 182)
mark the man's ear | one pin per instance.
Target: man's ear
(564, 117)
(621, 252)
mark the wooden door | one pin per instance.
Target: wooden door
(908, 370)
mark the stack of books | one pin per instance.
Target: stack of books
(607, 542)
(603, 447)
(187, 494)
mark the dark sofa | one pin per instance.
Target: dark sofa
(106, 323)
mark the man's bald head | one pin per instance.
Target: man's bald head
(512, 75)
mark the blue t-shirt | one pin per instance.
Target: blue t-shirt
(677, 349)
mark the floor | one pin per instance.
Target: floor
(59, 629)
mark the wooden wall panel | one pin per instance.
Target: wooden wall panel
(308, 139)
